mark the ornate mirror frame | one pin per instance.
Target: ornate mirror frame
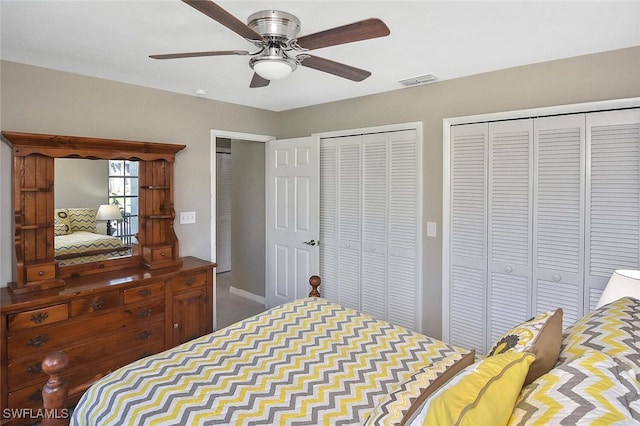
(33, 205)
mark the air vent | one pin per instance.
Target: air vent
(421, 79)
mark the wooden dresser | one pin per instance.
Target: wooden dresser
(101, 322)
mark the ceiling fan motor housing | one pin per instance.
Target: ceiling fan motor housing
(274, 23)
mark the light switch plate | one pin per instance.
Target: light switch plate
(431, 229)
(187, 217)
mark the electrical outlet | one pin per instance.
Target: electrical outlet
(187, 217)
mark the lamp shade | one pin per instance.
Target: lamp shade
(624, 282)
(108, 212)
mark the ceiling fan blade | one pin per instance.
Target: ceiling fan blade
(335, 68)
(197, 54)
(217, 13)
(361, 30)
(258, 81)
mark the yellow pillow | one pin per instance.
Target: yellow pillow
(483, 394)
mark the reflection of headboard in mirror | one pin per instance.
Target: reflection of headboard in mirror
(33, 205)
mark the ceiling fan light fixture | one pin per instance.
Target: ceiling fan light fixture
(273, 68)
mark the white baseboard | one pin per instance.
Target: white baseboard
(247, 295)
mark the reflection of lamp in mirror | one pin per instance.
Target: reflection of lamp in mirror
(109, 212)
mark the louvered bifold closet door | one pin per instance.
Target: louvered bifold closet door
(510, 190)
(559, 215)
(223, 213)
(468, 236)
(404, 254)
(613, 198)
(375, 295)
(349, 221)
(329, 218)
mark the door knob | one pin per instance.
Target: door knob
(310, 243)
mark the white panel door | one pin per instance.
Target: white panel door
(510, 190)
(468, 237)
(613, 198)
(292, 218)
(558, 238)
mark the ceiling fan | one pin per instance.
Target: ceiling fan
(275, 35)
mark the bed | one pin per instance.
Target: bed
(312, 362)
(77, 239)
(306, 362)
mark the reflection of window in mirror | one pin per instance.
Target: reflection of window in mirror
(123, 192)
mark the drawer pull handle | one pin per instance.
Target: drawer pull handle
(41, 273)
(36, 396)
(191, 281)
(97, 304)
(176, 325)
(144, 314)
(39, 317)
(35, 368)
(163, 254)
(38, 341)
(144, 292)
(144, 335)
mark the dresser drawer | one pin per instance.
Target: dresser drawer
(143, 293)
(41, 272)
(158, 253)
(26, 370)
(95, 303)
(162, 253)
(38, 317)
(46, 339)
(30, 396)
(188, 281)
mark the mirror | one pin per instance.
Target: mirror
(154, 246)
(96, 209)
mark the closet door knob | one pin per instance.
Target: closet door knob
(508, 269)
(556, 277)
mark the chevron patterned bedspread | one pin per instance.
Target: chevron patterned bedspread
(308, 362)
(80, 242)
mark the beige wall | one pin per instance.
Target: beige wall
(45, 101)
(248, 230)
(38, 100)
(603, 76)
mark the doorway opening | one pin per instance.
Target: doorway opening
(238, 225)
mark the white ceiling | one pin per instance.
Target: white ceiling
(112, 40)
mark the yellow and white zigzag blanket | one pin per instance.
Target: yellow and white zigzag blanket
(308, 362)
